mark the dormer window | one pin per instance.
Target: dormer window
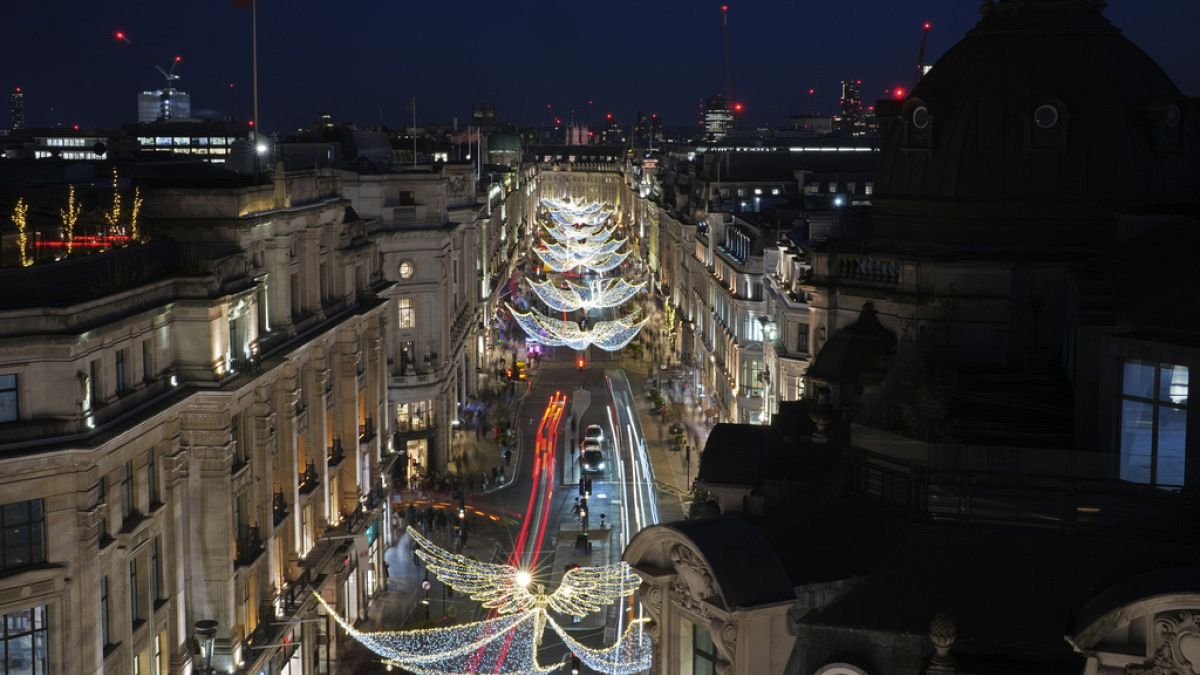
(921, 117)
(918, 125)
(1046, 116)
(1046, 126)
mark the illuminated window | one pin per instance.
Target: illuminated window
(414, 416)
(1153, 423)
(405, 313)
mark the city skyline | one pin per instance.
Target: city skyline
(369, 69)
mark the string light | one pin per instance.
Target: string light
(608, 335)
(633, 653)
(596, 295)
(572, 233)
(509, 642)
(19, 214)
(70, 216)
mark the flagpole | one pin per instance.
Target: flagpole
(254, 80)
(414, 103)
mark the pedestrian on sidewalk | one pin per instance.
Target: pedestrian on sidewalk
(508, 455)
(483, 484)
(502, 474)
(495, 474)
(576, 508)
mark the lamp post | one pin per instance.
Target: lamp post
(205, 632)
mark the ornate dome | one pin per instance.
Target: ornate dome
(1044, 118)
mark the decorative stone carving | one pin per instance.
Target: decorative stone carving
(942, 633)
(1178, 652)
(693, 584)
(89, 522)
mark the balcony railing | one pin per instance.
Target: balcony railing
(279, 507)
(308, 479)
(334, 453)
(249, 547)
(366, 430)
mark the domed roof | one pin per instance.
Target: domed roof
(1043, 114)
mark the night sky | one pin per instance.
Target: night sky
(358, 58)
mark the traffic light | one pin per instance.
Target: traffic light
(580, 363)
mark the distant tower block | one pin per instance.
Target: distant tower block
(16, 108)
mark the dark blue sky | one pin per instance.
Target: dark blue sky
(356, 57)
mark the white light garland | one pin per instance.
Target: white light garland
(607, 335)
(509, 642)
(597, 294)
(568, 233)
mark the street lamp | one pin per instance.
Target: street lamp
(205, 633)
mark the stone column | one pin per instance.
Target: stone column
(204, 434)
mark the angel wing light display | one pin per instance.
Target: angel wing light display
(596, 294)
(610, 336)
(509, 642)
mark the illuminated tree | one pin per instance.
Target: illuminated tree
(113, 215)
(18, 218)
(70, 217)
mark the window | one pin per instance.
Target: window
(704, 653)
(802, 339)
(105, 629)
(406, 269)
(160, 657)
(134, 611)
(127, 505)
(147, 360)
(1153, 423)
(24, 532)
(152, 477)
(869, 188)
(121, 379)
(8, 398)
(405, 317)
(25, 645)
(414, 416)
(155, 571)
(94, 381)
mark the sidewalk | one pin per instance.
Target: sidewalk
(672, 472)
(475, 453)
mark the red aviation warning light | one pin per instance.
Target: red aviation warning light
(724, 8)
(738, 107)
(120, 35)
(927, 25)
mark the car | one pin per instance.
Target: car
(594, 432)
(592, 460)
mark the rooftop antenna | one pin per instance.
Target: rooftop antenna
(925, 28)
(728, 68)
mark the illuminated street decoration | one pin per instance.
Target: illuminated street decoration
(597, 259)
(508, 643)
(607, 335)
(597, 294)
(568, 232)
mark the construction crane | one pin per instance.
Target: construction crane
(925, 28)
(168, 74)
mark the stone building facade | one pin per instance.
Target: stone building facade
(197, 435)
